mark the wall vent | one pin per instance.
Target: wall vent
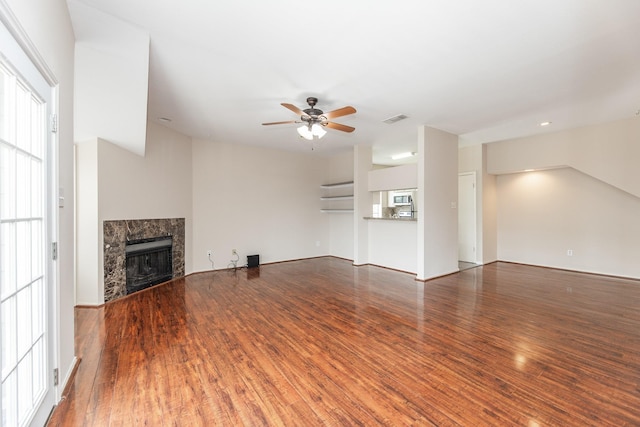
(394, 119)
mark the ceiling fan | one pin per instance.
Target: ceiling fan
(315, 120)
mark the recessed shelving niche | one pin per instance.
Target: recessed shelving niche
(335, 195)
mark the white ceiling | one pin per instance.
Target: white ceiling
(485, 70)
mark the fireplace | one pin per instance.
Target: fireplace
(120, 240)
(148, 262)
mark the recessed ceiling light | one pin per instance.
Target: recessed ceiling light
(545, 123)
(164, 120)
(402, 155)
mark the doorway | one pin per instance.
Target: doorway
(26, 227)
(467, 235)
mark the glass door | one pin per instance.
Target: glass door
(25, 269)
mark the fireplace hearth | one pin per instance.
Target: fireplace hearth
(148, 263)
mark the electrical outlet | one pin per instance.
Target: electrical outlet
(234, 252)
(569, 252)
(209, 253)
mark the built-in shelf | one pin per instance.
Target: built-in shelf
(348, 197)
(338, 185)
(338, 196)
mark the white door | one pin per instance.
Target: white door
(26, 279)
(467, 217)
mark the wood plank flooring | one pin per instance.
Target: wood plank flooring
(320, 342)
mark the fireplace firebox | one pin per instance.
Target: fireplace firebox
(148, 262)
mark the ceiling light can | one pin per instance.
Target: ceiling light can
(403, 155)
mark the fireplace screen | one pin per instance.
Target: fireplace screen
(148, 262)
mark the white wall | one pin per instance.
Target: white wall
(393, 178)
(437, 203)
(341, 224)
(89, 286)
(129, 186)
(258, 201)
(48, 27)
(609, 153)
(362, 164)
(154, 186)
(157, 185)
(111, 79)
(543, 214)
(489, 211)
(394, 244)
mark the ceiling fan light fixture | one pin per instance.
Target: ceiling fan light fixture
(305, 132)
(311, 131)
(316, 120)
(316, 130)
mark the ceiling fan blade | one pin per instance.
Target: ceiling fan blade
(338, 126)
(279, 123)
(294, 109)
(340, 112)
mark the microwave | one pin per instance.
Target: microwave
(402, 199)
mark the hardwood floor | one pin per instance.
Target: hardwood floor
(320, 342)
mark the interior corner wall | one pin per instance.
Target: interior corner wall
(341, 224)
(544, 214)
(489, 211)
(258, 201)
(600, 179)
(155, 186)
(116, 184)
(89, 287)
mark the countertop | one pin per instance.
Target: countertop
(390, 219)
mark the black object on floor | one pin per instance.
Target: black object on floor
(253, 261)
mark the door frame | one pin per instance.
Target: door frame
(472, 218)
(27, 59)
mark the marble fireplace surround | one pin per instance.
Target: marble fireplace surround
(116, 235)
